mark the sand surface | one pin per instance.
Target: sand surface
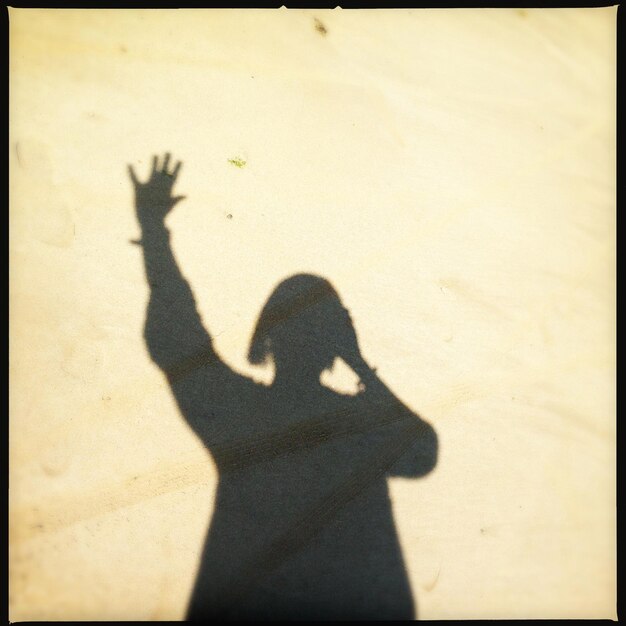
(451, 172)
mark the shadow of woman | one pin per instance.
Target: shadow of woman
(303, 525)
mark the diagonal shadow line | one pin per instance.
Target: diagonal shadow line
(278, 314)
(332, 425)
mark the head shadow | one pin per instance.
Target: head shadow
(302, 329)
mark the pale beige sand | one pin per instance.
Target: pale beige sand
(451, 172)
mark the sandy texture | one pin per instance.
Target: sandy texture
(450, 172)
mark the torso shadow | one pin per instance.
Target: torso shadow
(303, 525)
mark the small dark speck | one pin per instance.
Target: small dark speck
(229, 216)
(319, 27)
(123, 49)
(482, 531)
(522, 13)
